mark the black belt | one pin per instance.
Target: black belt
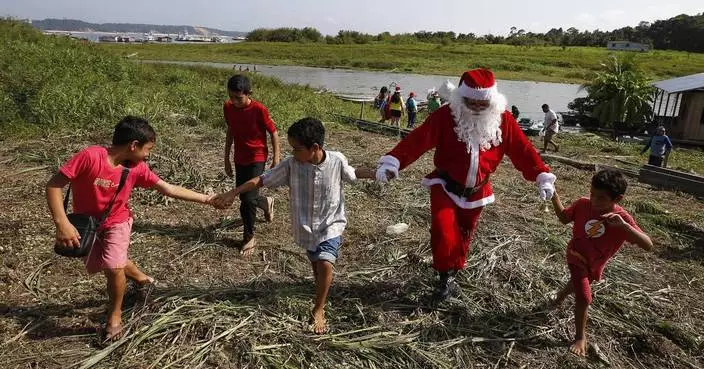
(455, 188)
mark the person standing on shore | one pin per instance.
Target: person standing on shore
(660, 147)
(515, 112)
(412, 108)
(248, 123)
(551, 128)
(433, 102)
(396, 107)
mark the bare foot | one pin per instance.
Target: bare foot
(579, 347)
(248, 247)
(269, 210)
(113, 332)
(319, 323)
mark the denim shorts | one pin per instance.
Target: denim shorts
(327, 250)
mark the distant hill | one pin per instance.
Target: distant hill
(81, 26)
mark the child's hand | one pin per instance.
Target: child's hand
(614, 220)
(67, 235)
(223, 200)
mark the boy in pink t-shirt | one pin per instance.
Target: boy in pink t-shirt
(94, 174)
(600, 228)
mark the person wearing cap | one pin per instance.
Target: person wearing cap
(433, 102)
(412, 109)
(396, 107)
(470, 135)
(660, 147)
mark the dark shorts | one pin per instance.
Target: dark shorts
(327, 250)
(396, 113)
(655, 160)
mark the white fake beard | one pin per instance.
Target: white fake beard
(482, 128)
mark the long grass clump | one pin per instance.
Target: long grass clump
(56, 85)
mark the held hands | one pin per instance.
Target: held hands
(386, 172)
(67, 235)
(546, 185)
(222, 201)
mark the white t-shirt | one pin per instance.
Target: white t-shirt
(549, 117)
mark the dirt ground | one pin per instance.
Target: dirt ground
(214, 308)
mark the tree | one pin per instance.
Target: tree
(621, 95)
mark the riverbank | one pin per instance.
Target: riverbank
(544, 63)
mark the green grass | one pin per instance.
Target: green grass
(599, 149)
(58, 86)
(540, 63)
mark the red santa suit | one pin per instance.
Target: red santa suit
(465, 157)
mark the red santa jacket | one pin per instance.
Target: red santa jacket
(470, 169)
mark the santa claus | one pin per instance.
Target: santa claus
(470, 136)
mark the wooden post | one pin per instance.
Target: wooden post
(361, 111)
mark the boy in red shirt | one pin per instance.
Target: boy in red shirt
(94, 174)
(248, 123)
(600, 228)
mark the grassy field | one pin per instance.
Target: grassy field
(215, 309)
(550, 64)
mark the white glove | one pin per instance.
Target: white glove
(383, 170)
(546, 185)
(387, 164)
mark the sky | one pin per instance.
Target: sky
(369, 16)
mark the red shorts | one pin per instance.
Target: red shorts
(110, 249)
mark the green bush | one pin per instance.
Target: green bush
(55, 85)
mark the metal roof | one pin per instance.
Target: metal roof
(680, 84)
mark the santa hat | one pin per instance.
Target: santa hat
(398, 88)
(478, 84)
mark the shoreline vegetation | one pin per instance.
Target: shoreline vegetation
(529, 63)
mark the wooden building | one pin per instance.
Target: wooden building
(678, 104)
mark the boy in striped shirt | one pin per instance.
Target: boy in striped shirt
(315, 179)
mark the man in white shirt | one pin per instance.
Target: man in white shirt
(551, 128)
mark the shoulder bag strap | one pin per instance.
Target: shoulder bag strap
(123, 179)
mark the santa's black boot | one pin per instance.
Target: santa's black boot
(446, 285)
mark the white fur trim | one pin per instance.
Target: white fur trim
(477, 93)
(459, 201)
(473, 165)
(445, 90)
(390, 160)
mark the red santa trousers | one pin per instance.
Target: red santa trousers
(451, 230)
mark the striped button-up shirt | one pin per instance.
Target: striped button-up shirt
(316, 196)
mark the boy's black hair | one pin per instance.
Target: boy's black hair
(545, 106)
(239, 83)
(384, 90)
(611, 181)
(132, 128)
(308, 131)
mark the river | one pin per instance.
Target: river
(528, 96)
